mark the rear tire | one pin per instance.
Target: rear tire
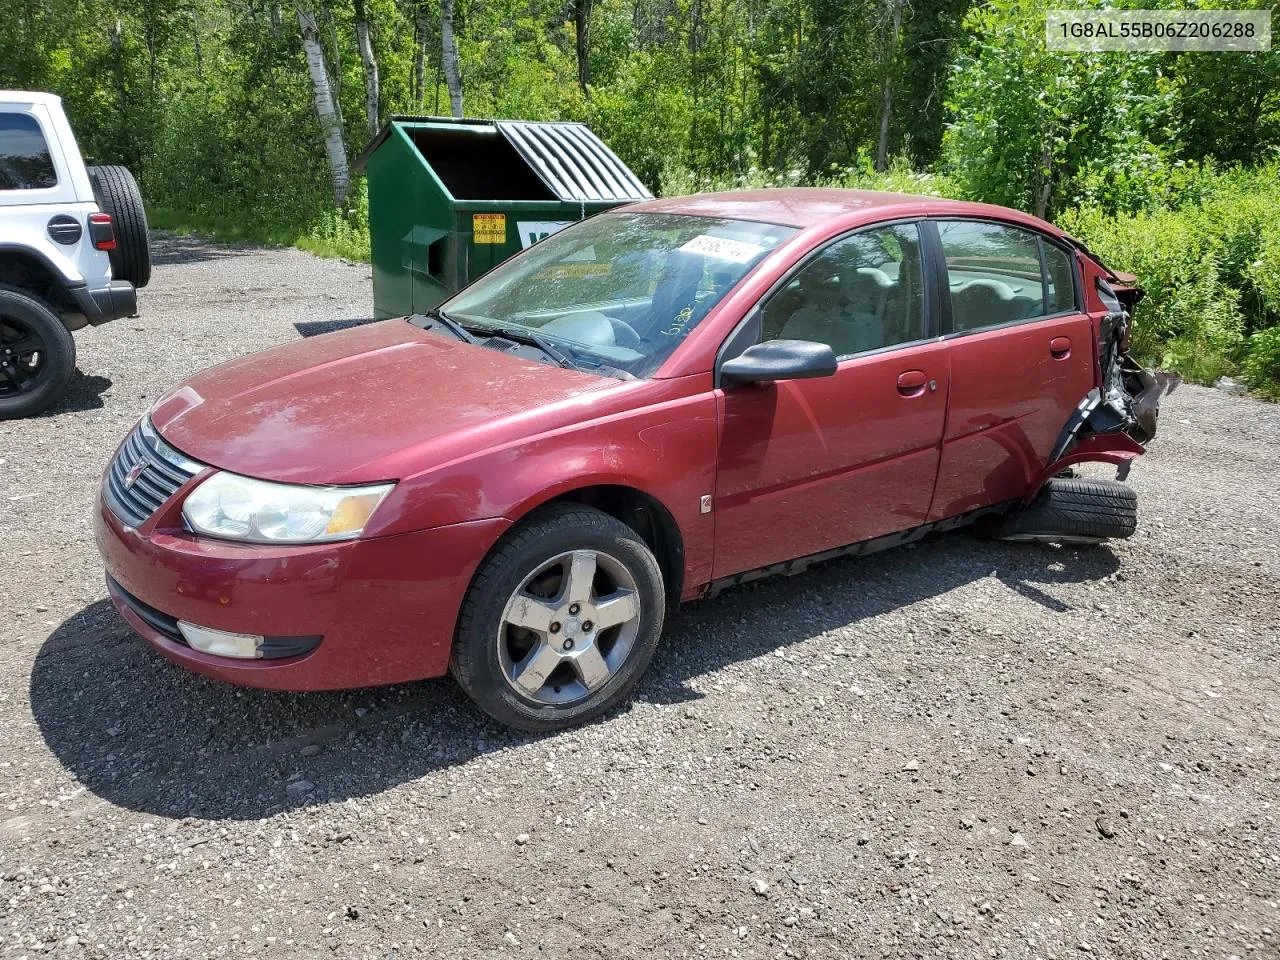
(118, 195)
(561, 620)
(1072, 510)
(37, 354)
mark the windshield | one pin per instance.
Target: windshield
(619, 290)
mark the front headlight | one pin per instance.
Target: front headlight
(241, 508)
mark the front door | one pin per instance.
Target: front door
(808, 465)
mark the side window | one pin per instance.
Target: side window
(861, 293)
(993, 272)
(25, 163)
(1060, 277)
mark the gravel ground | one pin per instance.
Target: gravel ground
(960, 749)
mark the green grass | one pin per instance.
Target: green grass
(329, 237)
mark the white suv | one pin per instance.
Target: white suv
(73, 249)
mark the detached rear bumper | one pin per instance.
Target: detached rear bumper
(1145, 406)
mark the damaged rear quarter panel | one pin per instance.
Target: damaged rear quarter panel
(1119, 415)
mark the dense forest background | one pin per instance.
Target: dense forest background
(241, 117)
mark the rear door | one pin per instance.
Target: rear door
(1021, 356)
(808, 465)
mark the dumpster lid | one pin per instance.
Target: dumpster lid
(573, 163)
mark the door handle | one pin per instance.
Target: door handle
(911, 383)
(1060, 348)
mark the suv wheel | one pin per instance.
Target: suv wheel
(37, 354)
(561, 620)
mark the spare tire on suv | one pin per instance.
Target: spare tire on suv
(118, 195)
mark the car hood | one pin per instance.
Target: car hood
(361, 405)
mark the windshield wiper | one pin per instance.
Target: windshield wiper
(524, 335)
(450, 324)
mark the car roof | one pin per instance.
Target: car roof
(28, 96)
(812, 206)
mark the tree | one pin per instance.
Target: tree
(1031, 128)
(888, 59)
(449, 57)
(582, 41)
(326, 111)
(365, 45)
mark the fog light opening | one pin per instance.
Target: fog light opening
(243, 646)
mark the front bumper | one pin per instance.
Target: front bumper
(384, 609)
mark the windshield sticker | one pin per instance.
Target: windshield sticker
(564, 271)
(722, 248)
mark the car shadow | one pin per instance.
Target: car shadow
(168, 249)
(147, 735)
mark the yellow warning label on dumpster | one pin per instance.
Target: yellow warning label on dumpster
(489, 227)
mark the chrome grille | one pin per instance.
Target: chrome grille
(163, 471)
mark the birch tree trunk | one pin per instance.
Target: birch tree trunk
(1045, 187)
(419, 56)
(886, 89)
(449, 57)
(363, 41)
(325, 111)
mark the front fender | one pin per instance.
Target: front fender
(664, 449)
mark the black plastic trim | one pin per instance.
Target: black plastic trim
(273, 648)
(43, 260)
(160, 622)
(746, 334)
(118, 299)
(874, 545)
(931, 244)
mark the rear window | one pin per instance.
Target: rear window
(25, 163)
(999, 274)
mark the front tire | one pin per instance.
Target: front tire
(561, 620)
(37, 354)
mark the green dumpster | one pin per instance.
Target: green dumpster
(450, 199)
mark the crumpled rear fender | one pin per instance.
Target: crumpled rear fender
(1117, 417)
(1117, 448)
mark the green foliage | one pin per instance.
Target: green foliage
(210, 103)
(1262, 364)
(1210, 266)
(342, 234)
(1042, 130)
(644, 116)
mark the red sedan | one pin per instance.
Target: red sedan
(643, 408)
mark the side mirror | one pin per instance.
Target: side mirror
(780, 360)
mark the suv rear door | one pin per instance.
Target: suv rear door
(809, 465)
(1021, 355)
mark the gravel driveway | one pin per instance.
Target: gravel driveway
(960, 749)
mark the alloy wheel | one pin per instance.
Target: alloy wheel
(21, 357)
(569, 627)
